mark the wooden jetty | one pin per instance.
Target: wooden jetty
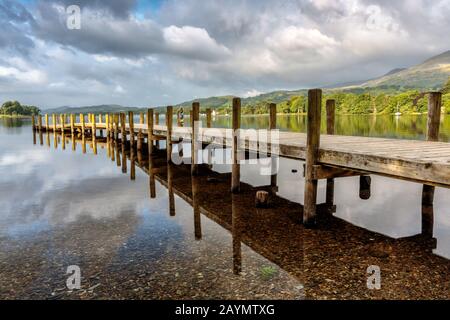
(327, 156)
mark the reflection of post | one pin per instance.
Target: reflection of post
(196, 207)
(274, 158)
(236, 235)
(132, 165)
(113, 150)
(41, 138)
(150, 131)
(74, 142)
(312, 153)
(170, 190)
(434, 119)
(331, 116)
(94, 134)
(34, 136)
(151, 178)
(47, 136)
(124, 158)
(195, 138)
(169, 125)
(236, 170)
(83, 143)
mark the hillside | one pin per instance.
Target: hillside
(91, 109)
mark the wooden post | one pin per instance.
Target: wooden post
(312, 154)
(434, 120)
(331, 116)
(274, 159)
(150, 131)
(236, 125)
(139, 135)
(40, 122)
(72, 123)
(61, 119)
(131, 129)
(123, 129)
(169, 124)
(116, 126)
(157, 123)
(47, 126)
(54, 122)
(94, 134)
(107, 124)
(33, 122)
(208, 118)
(195, 117)
(83, 124)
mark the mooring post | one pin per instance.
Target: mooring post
(72, 123)
(123, 129)
(54, 122)
(195, 117)
(312, 155)
(131, 128)
(208, 118)
(47, 126)
(61, 119)
(40, 122)
(83, 124)
(116, 125)
(236, 125)
(434, 120)
(33, 122)
(150, 131)
(157, 123)
(274, 159)
(107, 124)
(140, 137)
(94, 135)
(169, 125)
(331, 118)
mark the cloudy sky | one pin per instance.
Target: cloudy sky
(160, 52)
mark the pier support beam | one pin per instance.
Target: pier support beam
(434, 119)
(312, 154)
(169, 124)
(274, 159)
(150, 131)
(236, 168)
(331, 116)
(195, 117)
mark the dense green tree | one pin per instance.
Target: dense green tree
(15, 108)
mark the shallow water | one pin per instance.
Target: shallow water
(62, 207)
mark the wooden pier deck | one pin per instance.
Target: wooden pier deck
(327, 156)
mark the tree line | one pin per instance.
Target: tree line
(14, 108)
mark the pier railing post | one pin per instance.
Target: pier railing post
(312, 155)
(131, 129)
(331, 117)
(434, 119)
(236, 125)
(274, 159)
(195, 117)
(169, 125)
(150, 131)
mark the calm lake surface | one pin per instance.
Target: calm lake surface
(60, 207)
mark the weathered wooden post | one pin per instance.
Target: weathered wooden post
(54, 122)
(140, 136)
(131, 128)
(157, 123)
(47, 126)
(83, 124)
(94, 135)
(33, 122)
(274, 159)
(40, 122)
(61, 119)
(72, 123)
(312, 155)
(331, 118)
(195, 117)
(434, 120)
(236, 125)
(208, 118)
(150, 131)
(107, 124)
(123, 129)
(169, 125)
(116, 126)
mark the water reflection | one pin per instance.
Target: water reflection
(139, 237)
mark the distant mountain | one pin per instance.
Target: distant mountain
(429, 75)
(104, 108)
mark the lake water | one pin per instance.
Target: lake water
(61, 207)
